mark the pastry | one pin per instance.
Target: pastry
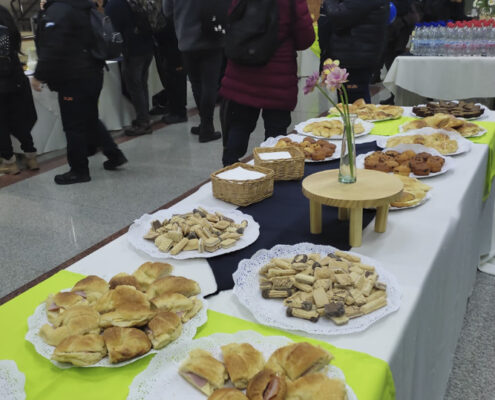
(173, 284)
(227, 394)
(458, 109)
(371, 111)
(298, 359)
(149, 272)
(163, 329)
(316, 387)
(266, 384)
(123, 279)
(77, 320)
(242, 361)
(125, 343)
(446, 122)
(92, 288)
(421, 164)
(56, 304)
(80, 350)
(203, 371)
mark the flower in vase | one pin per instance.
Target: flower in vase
(336, 78)
(311, 82)
(328, 66)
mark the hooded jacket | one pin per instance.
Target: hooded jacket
(64, 37)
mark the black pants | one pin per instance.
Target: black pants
(135, 74)
(17, 118)
(204, 68)
(171, 70)
(359, 84)
(78, 101)
(239, 121)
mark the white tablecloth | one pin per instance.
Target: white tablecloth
(115, 110)
(446, 78)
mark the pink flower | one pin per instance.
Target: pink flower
(328, 66)
(336, 78)
(311, 82)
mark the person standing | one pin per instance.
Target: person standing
(17, 112)
(64, 41)
(270, 88)
(137, 54)
(358, 31)
(202, 57)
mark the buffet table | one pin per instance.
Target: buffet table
(412, 79)
(115, 109)
(433, 251)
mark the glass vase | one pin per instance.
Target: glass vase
(347, 169)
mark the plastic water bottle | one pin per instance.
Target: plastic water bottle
(417, 47)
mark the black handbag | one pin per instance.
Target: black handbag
(214, 17)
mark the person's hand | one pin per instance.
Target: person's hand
(36, 84)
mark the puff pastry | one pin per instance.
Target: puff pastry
(243, 362)
(125, 343)
(123, 279)
(163, 329)
(203, 371)
(316, 387)
(227, 394)
(80, 350)
(267, 384)
(149, 272)
(92, 288)
(57, 303)
(173, 284)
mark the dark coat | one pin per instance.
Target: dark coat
(64, 41)
(358, 31)
(274, 85)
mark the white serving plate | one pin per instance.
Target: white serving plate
(367, 125)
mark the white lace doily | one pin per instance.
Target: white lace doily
(38, 319)
(162, 375)
(11, 381)
(272, 141)
(448, 165)
(142, 225)
(272, 312)
(299, 128)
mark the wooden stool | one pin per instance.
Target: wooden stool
(373, 189)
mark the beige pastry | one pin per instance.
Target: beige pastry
(227, 394)
(92, 288)
(125, 343)
(80, 350)
(243, 362)
(316, 387)
(173, 284)
(57, 303)
(123, 279)
(267, 384)
(149, 272)
(163, 329)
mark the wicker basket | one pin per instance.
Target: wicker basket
(243, 193)
(286, 169)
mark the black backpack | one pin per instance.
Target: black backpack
(252, 32)
(5, 56)
(108, 42)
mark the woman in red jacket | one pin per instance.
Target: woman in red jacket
(271, 88)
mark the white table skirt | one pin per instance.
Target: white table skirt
(114, 108)
(447, 78)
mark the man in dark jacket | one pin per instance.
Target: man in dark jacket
(138, 54)
(357, 39)
(64, 40)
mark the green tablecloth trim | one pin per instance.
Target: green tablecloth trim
(315, 47)
(370, 378)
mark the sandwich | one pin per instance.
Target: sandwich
(203, 371)
(298, 359)
(267, 385)
(184, 307)
(125, 343)
(91, 288)
(121, 295)
(123, 279)
(243, 362)
(227, 394)
(173, 284)
(149, 272)
(163, 329)
(316, 387)
(80, 350)
(56, 304)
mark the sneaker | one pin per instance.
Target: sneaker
(114, 162)
(170, 119)
(208, 137)
(9, 168)
(195, 130)
(31, 162)
(139, 130)
(158, 110)
(71, 177)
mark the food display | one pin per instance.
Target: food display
(439, 141)
(462, 109)
(293, 372)
(405, 162)
(315, 150)
(413, 194)
(446, 122)
(198, 230)
(123, 319)
(371, 112)
(337, 287)
(330, 128)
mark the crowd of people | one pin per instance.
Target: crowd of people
(251, 70)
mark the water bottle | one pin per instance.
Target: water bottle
(442, 38)
(491, 39)
(435, 42)
(418, 40)
(450, 39)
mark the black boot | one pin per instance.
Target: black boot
(195, 130)
(208, 135)
(72, 177)
(115, 161)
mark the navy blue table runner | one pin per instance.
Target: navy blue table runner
(284, 219)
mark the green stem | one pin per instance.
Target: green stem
(330, 100)
(344, 96)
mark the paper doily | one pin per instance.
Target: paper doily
(162, 374)
(272, 312)
(12, 381)
(142, 225)
(38, 319)
(367, 125)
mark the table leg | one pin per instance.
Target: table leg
(343, 214)
(315, 216)
(381, 219)
(356, 227)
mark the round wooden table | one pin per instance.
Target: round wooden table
(373, 189)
